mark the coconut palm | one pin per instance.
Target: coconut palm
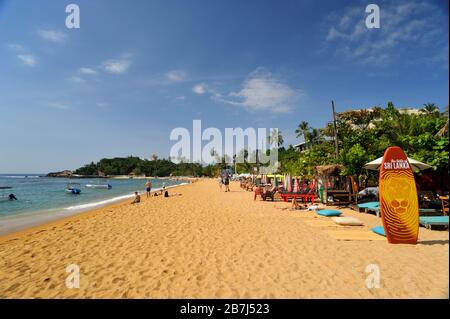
(276, 138)
(430, 108)
(302, 130)
(314, 136)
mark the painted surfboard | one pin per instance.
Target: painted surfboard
(399, 204)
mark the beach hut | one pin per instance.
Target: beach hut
(335, 189)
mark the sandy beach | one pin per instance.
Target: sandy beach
(211, 244)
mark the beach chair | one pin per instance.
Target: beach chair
(429, 221)
(306, 195)
(370, 206)
(269, 194)
(258, 192)
(444, 201)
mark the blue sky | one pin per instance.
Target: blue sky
(135, 70)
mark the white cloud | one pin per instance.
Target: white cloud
(262, 91)
(116, 66)
(76, 79)
(176, 75)
(87, 71)
(52, 36)
(200, 88)
(15, 47)
(58, 106)
(27, 59)
(102, 105)
(406, 27)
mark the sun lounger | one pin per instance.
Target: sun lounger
(421, 210)
(305, 196)
(429, 221)
(369, 205)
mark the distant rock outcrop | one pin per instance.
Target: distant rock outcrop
(65, 173)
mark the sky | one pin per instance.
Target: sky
(135, 70)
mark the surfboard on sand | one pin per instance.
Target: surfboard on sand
(399, 205)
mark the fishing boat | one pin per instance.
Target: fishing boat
(99, 186)
(7, 198)
(73, 188)
(4, 198)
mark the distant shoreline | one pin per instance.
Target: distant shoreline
(75, 176)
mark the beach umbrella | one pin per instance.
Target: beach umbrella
(415, 165)
(295, 185)
(289, 183)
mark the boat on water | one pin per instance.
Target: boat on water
(5, 187)
(7, 198)
(73, 188)
(99, 186)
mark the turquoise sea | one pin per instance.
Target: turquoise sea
(46, 196)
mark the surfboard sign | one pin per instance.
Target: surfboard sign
(399, 205)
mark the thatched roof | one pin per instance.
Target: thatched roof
(329, 169)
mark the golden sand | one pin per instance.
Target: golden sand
(212, 244)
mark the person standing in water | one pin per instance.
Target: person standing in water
(148, 188)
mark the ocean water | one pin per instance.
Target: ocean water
(45, 195)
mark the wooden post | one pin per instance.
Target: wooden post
(257, 161)
(336, 143)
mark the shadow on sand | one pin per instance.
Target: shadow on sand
(433, 242)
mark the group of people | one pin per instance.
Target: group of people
(224, 180)
(148, 189)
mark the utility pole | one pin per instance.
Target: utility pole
(257, 162)
(336, 143)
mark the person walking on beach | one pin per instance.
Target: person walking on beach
(227, 183)
(148, 188)
(220, 181)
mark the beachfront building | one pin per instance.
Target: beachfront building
(302, 147)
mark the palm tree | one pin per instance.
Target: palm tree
(302, 130)
(430, 108)
(314, 136)
(276, 138)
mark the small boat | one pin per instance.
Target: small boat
(73, 188)
(5, 187)
(7, 198)
(99, 186)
